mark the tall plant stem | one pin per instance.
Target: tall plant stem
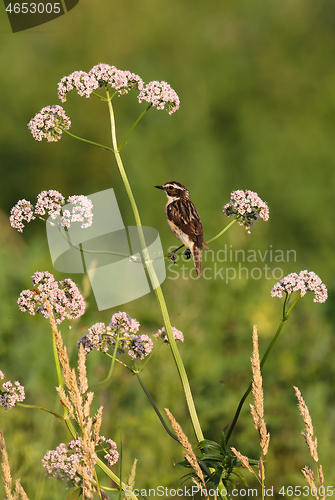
(155, 282)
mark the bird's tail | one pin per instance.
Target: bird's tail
(196, 252)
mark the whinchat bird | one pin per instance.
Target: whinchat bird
(184, 220)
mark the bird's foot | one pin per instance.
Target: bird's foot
(187, 253)
(172, 256)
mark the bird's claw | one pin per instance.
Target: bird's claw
(172, 256)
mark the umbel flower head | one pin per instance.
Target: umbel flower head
(99, 76)
(67, 462)
(64, 297)
(304, 282)
(123, 327)
(50, 203)
(247, 207)
(118, 79)
(49, 123)
(79, 80)
(22, 211)
(158, 94)
(10, 394)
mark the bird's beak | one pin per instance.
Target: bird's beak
(159, 187)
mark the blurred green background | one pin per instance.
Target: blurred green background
(256, 82)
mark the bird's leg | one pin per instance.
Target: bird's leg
(173, 254)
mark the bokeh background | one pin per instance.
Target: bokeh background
(257, 87)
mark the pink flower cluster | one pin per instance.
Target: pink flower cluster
(97, 77)
(22, 211)
(63, 462)
(100, 337)
(49, 123)
(247, 207)
(10, 394)
(79, 80)
(109, 447)
(122, 81)
(139, 346)
(158, 94)
(303, 282)
(161, 334)
(64, 297)
(51, 203)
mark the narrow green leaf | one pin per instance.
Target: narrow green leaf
(206, 443)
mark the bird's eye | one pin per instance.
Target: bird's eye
(170, 187)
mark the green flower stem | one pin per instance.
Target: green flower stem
(222, 232)
(102, 98)
(83, 250)
(113, 362)
(264, 358)
(155, 283)
(153, 404)
(285, 314)
(34, 407)
(88, 142)
(132, 128)
(64, 417)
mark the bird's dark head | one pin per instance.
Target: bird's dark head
(174, 190)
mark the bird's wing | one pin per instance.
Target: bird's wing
(185, 216)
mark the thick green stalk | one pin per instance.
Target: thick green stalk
(155, 283)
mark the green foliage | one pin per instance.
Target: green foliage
(256, 82)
